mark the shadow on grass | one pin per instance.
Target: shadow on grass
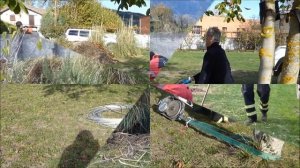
(245, 77)
(81, 152)
(75, 91)
(72, 91)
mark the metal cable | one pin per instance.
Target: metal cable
(96, 114)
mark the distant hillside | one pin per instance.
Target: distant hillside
(126, 17)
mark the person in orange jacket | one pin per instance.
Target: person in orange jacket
(156, 63)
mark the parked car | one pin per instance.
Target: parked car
(78, 34)
(85, 34)
(279, 55)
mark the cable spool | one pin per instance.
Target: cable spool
(171, 108)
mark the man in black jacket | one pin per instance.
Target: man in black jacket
(216, 68)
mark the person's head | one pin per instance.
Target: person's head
(213, 34)
(151, 54)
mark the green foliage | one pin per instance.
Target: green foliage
(47, 25)
(128, 3)
(14, 5)
(7, 27)
(79, 14)
(6, 48)
(231, 10)
(39, 44)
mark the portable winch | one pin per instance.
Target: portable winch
(172, 107)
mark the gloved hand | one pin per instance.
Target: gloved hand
(186, 81)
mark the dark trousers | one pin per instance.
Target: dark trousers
(263, 91)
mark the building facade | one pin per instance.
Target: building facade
(32, 19)
(145, 25)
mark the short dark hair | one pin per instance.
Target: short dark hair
(151, 54)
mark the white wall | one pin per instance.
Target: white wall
(23, 17)
(195, 42)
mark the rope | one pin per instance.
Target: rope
(215, 132)
(96, 114)
(187, 122)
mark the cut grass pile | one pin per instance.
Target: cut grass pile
(73, 70)
(190, 148)
(39, 122)
(182, 64)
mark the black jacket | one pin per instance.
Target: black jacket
(216, 68)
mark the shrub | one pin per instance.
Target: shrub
(70, 70)
(97, 35)
(126, 44)
(87, 14)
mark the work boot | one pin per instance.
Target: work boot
(264, 117)
(251, 120)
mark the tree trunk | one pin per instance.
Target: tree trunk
(290, 68)
(266, 53)
(55, 12)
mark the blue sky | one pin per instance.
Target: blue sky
(194, 8)
(248, 14)
(112, 5)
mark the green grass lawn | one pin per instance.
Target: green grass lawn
(38, 122)
(140, 62)
(185, 146)
(244, 66)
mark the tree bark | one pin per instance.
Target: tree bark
(55, 12)
(290, 68)
(266, 53)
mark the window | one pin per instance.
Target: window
(197, 30)
(12, 18)
(73, 32)
(84, 33)
(224, 29)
